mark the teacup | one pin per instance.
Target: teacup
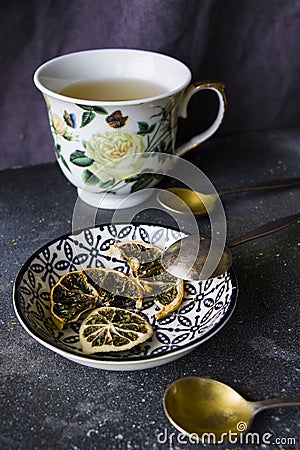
(107, 108)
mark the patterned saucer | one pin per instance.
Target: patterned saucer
(206, 307)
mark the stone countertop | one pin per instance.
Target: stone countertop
(48, 402)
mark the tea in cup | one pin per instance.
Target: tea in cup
(108, 108)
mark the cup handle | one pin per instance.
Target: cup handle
(219, 89)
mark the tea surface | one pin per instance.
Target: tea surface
(113, 90)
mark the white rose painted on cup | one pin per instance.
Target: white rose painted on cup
(111, 160)
(107, 150)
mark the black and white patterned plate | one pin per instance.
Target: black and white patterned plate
(206, 307)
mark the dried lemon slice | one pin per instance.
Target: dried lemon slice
(166, 291)
(145, 262)
(80, 291)
(169, 300)
(157, 283)
(70, 297)
(109, 329)
(143, 259)
(115, 288)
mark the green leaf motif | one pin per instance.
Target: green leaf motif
(67, 137)
(151, 128)
(64, 162)
(85, 107)
(96, 109)
(106, 184)
(60, 156)
(144, 128)
(87, 117)
(132, 178)
(80, 159)
(162, 146)
(58, 150)
(144, 181)
(89, 178)
(100, 110)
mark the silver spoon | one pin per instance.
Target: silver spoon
(201, 405)
(201, 204)
(186, 257)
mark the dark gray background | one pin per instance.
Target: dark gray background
(50, 403)
(250, 45)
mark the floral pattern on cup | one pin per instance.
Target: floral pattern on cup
(101, 156)
(105, 151)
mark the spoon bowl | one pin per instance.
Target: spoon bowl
(195, 258)
(180, 200)
(202, 406)
(177, 199)
(191, 258)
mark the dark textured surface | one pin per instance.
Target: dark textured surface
(250, 45)
(48, 402)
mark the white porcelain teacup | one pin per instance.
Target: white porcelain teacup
(109, 107)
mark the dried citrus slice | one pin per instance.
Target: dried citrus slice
(143, 259)
(70, 297)
(145, 262)
(110, 329)
(157, 283)
(115, 288)
(169, 300)
(165, 289)
(80, 291)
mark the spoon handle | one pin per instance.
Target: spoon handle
(275, 403)
(273, 184)
(265, 229)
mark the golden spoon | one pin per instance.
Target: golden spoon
(201, 405)
(201, 204)
(187, 257)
